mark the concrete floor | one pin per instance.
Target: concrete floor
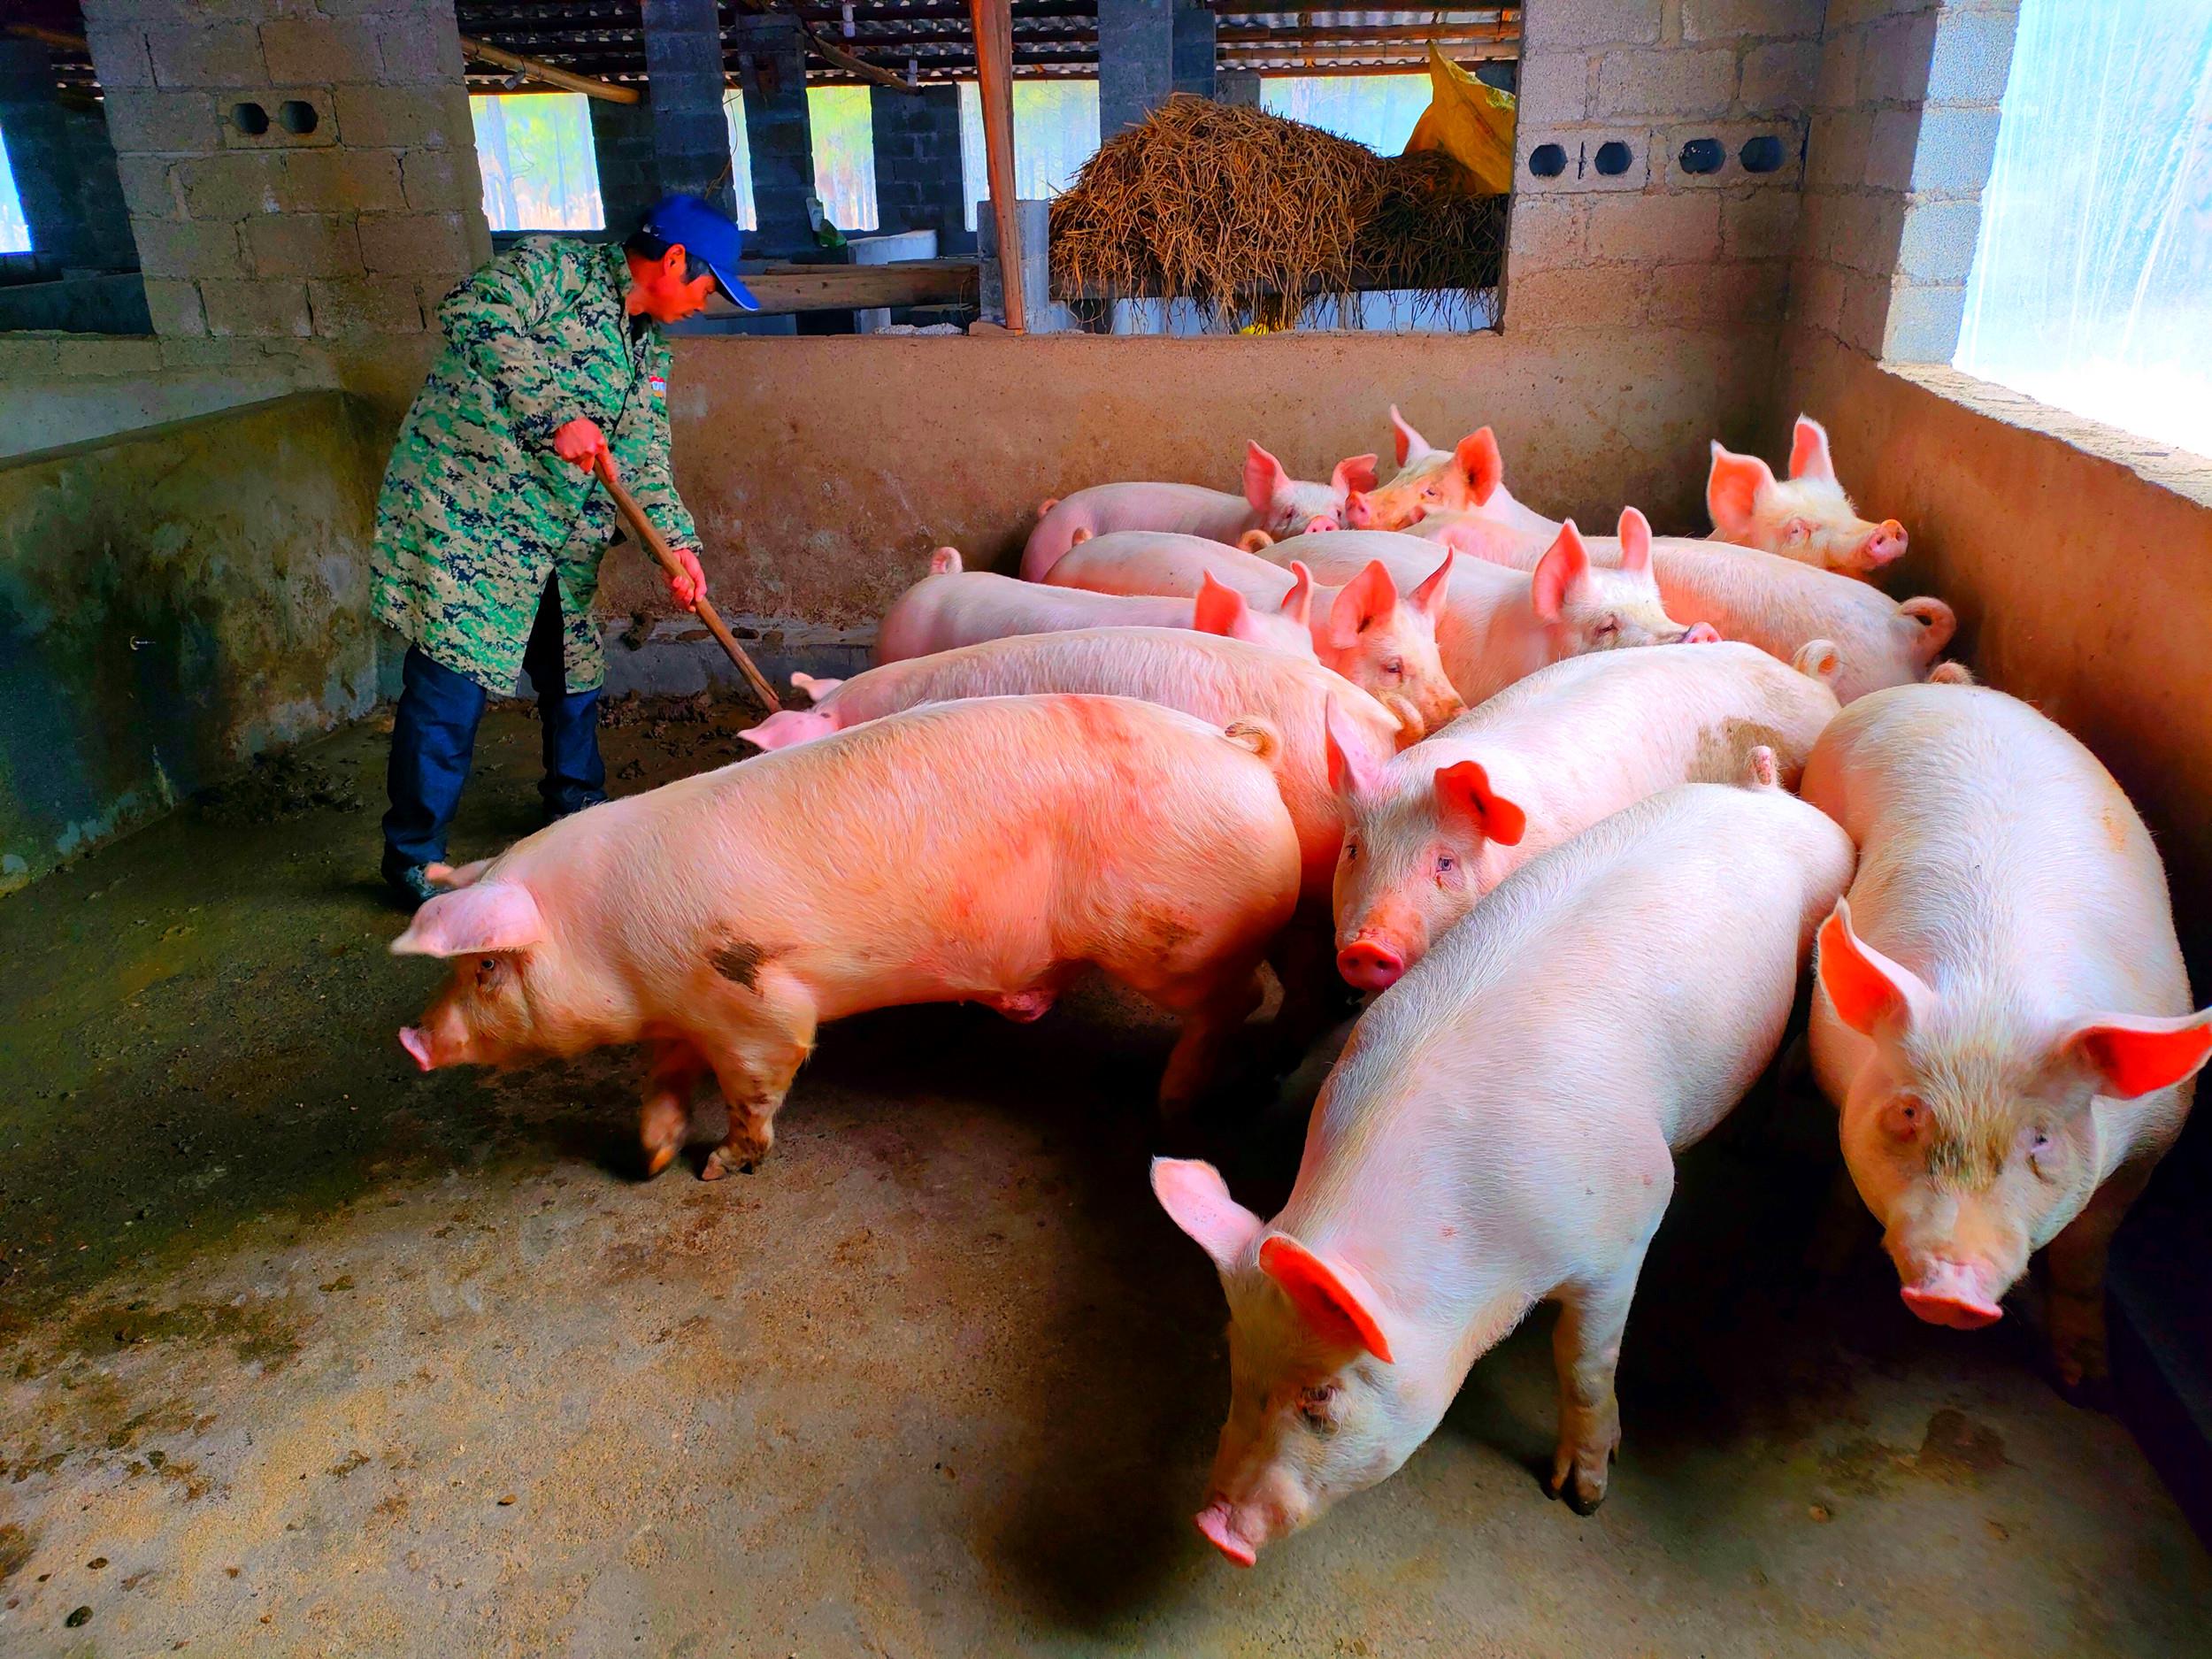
(301, 1353)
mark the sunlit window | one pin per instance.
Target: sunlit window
(539, 170)
(15, 233)
(2092, 282)
(1376, 111)
(1056, 131)
(844, 156)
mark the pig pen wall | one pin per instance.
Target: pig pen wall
(823, 471)
(174, 601)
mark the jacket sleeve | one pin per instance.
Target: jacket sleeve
(494, 318)
(651, 476)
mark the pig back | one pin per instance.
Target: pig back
(1144, 562)
(975, 844)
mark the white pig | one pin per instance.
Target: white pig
(1808, 518)
(978, 851)
(1775, 603)
(1382, 641)
(1499, 625)
(1273, 503)
(952, 607)
(2003, 1017)
(1430, 830)
(1469, 478)
(1501, 1131)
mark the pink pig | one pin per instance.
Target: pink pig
(1469, 478)
(978, 851)
(951, 607)
(1429, 832)
(1499, 626)
(1808, 518)
(1775, 603)
(1502, 1130)
(1218, 680)
(1273, 501)
(2004, 1018)
(1364, 630)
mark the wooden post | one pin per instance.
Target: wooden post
(995, 82)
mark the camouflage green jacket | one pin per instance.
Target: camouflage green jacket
(477, 510)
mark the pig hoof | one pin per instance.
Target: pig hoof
(722, 1160)
(657, 1159)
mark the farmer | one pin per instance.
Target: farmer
(490, 527)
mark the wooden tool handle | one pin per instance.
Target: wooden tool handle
(645, 535)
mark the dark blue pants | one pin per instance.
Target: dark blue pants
(434, 735)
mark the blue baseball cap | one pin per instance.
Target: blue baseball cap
(708, 236)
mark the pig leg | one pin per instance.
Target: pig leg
(665, 1117)
(1304, 959)
(2074, 1266)
(1587, 1349)
(1212, 1011)
(755, 1062)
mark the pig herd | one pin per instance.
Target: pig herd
(1392, 738)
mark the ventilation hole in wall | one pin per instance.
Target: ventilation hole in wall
(1762, 154)
(1547, 161)
(296, 115)
(1703, 155)
(249, 119)
(1613, 158)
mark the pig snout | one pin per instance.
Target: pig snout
(1701, 634)
(417, 1043)
(1321, 524)
(1369, 964)
(1357, 514)
(1955, 1293)
(1888, 541)
(1217, 1521)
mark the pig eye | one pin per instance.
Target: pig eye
(1796, 532)
(2039, 1151)
(1903, 1118)
(1609, 627)
(487, 972)
(1446, 864)
(1351, 852)
(1395, 667)
(1317, 1408)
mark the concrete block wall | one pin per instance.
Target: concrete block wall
(1612, 223)
(918, 180)
(353, 211)
(1904, 128)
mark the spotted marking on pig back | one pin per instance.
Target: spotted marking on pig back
(740, 961)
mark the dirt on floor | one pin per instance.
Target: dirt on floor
(303, 1352)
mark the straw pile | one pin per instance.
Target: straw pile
(1255, 218)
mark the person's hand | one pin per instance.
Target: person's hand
(580, 443)
(691, 586)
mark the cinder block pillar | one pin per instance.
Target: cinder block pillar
(1136, 61)
(683, 62)
(918, 180)
(1237, 86)
(622, 142)
(1194, 48)
(39, 154)
(769, 55)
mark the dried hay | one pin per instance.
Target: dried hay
(1255, 219)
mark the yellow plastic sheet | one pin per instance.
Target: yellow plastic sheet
(1469, 122)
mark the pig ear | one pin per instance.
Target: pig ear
(1464, 789)
(1333, 1299)
(1264, 475)
(1565, 563)
(1355, 472)
(816, 689)
(1635, 531)
(1361, 603)
(478, 919)
(1352, 770)
(1197, 1200)
(1298, 602)
(2131, 1056)
(1866, 987)
(789, 727)
(1809, 451)
(945, 562)
(1477, 457)
(1428, 598)
(1732, 489)
(1219, 610)
(1408, 441)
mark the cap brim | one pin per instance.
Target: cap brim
(733, 290)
